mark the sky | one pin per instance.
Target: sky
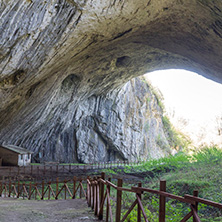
(191, 97)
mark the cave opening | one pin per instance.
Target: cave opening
(192, 103)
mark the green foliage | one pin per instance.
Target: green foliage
(208, 155)
(162, 143)
(159, 98)
(157, 94)
(184, 173)
(175, 138)
(165, 164)
(110, 171)
(132, 217)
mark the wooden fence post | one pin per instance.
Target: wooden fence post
(30, 190)
(5, 189)
(42, 189)
(80, 190)
(94, 193)
(195, 206)
(36, 190)
(138, 206)
(118, 200)
(18, 170)
(65, 188)
(18, 189)
(57, 187)
(51, 171)
(91, 198)
(107, 205)
(162, 202)
(96, 197)
(9, 188)
(44, 170)
(74, 187)
(57, 168)
(89, 191)
(23, 193)
(49, 184)
(0, 189)
(101, 194)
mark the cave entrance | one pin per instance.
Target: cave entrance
(192, 103)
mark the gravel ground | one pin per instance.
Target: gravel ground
(18, 210)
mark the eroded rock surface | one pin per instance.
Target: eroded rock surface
(123, 124)
(58, 57)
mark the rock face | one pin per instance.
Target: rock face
(123, 124)
(61, 55)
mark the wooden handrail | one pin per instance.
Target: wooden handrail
(101, 180)
(204, 201)
(165, 194)
(111, 184)
(98, 193)
(126, 189)
(191, 200)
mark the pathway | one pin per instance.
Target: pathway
(18, 210)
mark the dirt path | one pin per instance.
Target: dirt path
(16, 210)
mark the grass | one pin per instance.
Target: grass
(201, 171)
(184, 173)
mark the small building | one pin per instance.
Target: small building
(14, 155)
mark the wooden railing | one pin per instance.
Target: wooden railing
(98, 196)
(50, 169)
(97, 191)
(50, 190)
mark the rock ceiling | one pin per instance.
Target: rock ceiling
(94, 46)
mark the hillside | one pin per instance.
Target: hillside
(183, 174)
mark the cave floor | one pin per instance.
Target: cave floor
(19, 210)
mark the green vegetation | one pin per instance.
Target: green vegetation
(176, 139)
(184, 173)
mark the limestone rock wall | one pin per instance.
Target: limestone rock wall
(56, 55)
(123, 124)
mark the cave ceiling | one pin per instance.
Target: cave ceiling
(94, 46)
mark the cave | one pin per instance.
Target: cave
(64, 65)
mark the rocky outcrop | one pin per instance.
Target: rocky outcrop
(123, 124)
(57, 55)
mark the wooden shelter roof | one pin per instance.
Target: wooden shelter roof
(16, 149)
